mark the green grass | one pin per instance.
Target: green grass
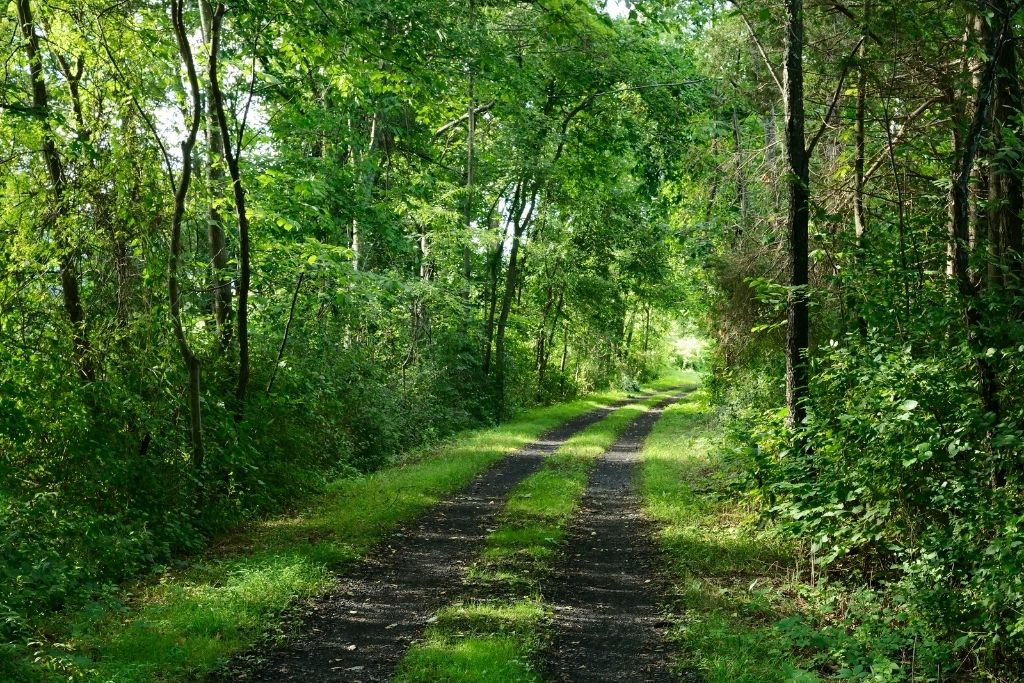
(478, 642)
(732, 580)
(501, 640)
(185, 623)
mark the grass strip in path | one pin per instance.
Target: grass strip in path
(185, 623)
(360, 629)
(496, 631)
(606, 591)
(730, 577)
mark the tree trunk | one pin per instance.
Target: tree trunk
(545, 338)
(492, 305)
(554, 325)
(860, 218)
(542, 335)
(238, 191)
(741, 177)
(367, 182)
(960, 214)
(519, 224)
(467, 261)
(70, 291)
(180, 197)
(220, 283)
(506, 307)
(859, 209)
(798, 332)
(647, 329)
(627, 339)
(1005, 187)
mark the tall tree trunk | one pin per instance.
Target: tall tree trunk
(467, 262)
(545, 338)
(238, 191)
(627, 336)
(70, 291)
(216, 241)
(367, 183)
(542, 335)
(519, 224)
(860, 224)
(960, 214)
(180, 197)
(287, 329)
(647, 329)
(492, 304)
(1005, 187)
(499, 337)
(798, 332)
(565, 355)
(741, 176)
(860, 218)
(554, 325)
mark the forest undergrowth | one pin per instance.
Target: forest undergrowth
(186, 619)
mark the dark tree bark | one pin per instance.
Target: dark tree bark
(520, 222)
(860, 217)
(287, 329)
(1005, 227)
(180, 196)
(220, 283)
(998, 41)
(798, 332)
(860, 220)
(545, 338)
(549, 346)
(238, 191)
(494, 267)
(492, 304)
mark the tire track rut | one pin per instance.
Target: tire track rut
(361, 629)
(607, 589)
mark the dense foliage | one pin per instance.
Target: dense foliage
(252, 246)
(904, 476)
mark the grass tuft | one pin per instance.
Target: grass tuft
(478, 641)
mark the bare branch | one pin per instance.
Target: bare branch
(835, 98)
(760, 48)
(483, 108)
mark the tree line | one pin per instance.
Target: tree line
(861, 216)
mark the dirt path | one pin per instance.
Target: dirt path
(361, 629)
(607, 589)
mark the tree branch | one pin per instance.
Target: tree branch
(760, 48)
(483, 108)
(835, 98)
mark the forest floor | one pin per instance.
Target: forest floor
(593, 541)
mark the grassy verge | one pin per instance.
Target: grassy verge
(187, 622)
(497, 639)
(733, 581)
